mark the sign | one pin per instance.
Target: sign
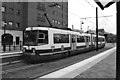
(105, 3)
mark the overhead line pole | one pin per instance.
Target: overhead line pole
(96, 29)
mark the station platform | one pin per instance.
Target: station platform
(100, 66)
(106, 68)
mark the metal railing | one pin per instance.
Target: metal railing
(13, 47)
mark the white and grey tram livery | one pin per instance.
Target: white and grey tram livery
(45, 42)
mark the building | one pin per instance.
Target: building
(57, 14)
(12, 21)
(16, 16)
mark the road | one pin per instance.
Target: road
(24, 70)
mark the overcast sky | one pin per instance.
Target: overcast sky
(78, 9)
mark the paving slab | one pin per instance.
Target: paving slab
(104, 69)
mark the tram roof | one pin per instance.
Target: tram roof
(59, 29)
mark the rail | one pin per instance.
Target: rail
(76, 69)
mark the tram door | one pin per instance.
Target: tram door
(87, 41)
(73, 42)
(91, 40)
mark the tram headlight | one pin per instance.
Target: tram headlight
(23, 49)
(33, 53)
(33, 49)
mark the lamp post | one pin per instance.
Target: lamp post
(96, 29)
(4, 46)
(81, 25)
(4, 24)
(88, 29)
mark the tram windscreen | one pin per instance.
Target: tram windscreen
(30, 37)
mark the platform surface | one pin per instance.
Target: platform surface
(104, 69)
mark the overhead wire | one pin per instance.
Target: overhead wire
(86, 18)
(99, 12)
(89, 17)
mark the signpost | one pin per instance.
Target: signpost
(102, 4)
(96, 29)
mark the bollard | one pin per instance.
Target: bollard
(14, 45)
(4, 47)
(9, 47)
(20, 45)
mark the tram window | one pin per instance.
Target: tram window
(73, 39)
(42, 37)
(61, 38)
(99, 39)
(103, 39)
(87, 39)
(80, 39)
(30, 37)
(94, 39)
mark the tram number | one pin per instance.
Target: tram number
(62, 47)
(52, 47)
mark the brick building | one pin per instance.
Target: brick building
(57, 14)
(16, 16)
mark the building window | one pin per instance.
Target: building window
(17, 25)
(64, 24)
(58, 22)
(10, 23)
(18, 12)
(58, 6)
(41, 6)
(53, 21)
(17, 40)
(11, 9)
(3, 9)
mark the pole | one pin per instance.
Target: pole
(62, 13)
(88, 28)
(96, 29)
(4, 46)
(72, 27)
(81, 25)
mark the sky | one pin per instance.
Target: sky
(78, 9)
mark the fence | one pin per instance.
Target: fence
(14, 47)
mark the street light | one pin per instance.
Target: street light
(88, 28)
(4, 46)
(81, 25)
(4, 24)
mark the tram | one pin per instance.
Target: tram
(41, 43)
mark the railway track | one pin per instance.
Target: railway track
(23, 70)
